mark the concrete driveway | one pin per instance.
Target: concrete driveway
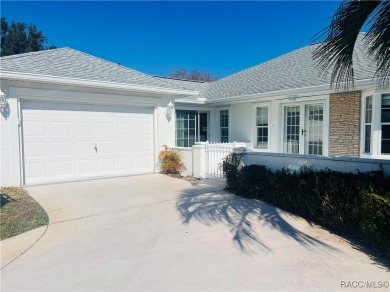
(153, 232)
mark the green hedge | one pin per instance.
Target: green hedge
(355, 204)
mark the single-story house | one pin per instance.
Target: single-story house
(69, 115)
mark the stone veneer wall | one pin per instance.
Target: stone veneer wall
(344, 128)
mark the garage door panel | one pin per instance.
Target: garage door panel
(143, 129)
(106, 147)
(126, 146)
(144, 162)
(83, 128)
(84, 147)
(39, 169)
(106, 164)
(144, 145)
(127, 163)
(105, 128)
(60, 139)
(35, 128)
(60, 148)
(60, 128)
(35, 149)
(125, 129)
(62, 167)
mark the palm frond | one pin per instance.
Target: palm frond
(377, 41)
(335, 53)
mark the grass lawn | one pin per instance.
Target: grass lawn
(19, 212)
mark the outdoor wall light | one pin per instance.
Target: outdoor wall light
(292, 97)
(169, 110)
(3, 101)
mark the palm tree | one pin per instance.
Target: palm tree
(335, 53)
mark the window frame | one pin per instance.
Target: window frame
(219, 124)
(197, 121)
(364, 123)
(376, 124)
(254, 123)
(382, 123)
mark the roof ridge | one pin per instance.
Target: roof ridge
(180, 79)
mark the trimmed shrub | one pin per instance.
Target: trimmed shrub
(230, 168)
(170, 161)
(354, 204)
(257, 177)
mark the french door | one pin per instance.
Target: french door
(303, 128)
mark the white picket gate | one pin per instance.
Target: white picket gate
(215, 153)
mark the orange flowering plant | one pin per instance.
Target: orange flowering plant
(170, 161)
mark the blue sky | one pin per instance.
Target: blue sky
(157, 37)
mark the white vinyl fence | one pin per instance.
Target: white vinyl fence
(215, 153)
(204, 160)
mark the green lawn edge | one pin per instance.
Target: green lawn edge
(19, 212)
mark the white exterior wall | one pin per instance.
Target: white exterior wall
(187, 159)
(11, 157)
(5, 141)
(294, 162)
(240, 122)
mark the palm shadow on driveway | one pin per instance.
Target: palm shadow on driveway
(242, 216)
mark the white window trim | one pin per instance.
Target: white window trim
(254, 125)
(218, 123)
(379, 101)
(363, 122)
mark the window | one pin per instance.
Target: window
(385, 124)
(224, 125)
(262, 127)
(191, 127)
(367, 124)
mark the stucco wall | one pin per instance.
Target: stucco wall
(294, 162)
(344, 127)
(240, 123)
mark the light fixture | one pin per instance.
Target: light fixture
(169, 110)
(3, 101)
(292, 97)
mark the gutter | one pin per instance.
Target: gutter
(94, 84)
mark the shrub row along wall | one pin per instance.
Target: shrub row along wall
(355, 204)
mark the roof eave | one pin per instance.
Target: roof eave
(7, 75)
(285, 92)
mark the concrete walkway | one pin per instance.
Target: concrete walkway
(154, 232)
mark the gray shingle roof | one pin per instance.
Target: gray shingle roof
(70, 63)
(290, 71)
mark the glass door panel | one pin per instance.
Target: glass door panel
(291, 129)
(202, 127)
(314, 128)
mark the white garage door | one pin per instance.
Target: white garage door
(64, 142)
